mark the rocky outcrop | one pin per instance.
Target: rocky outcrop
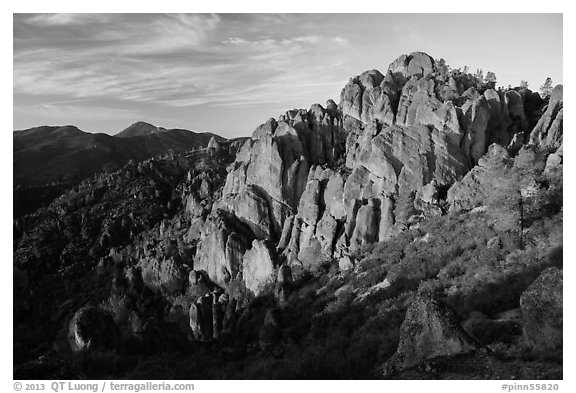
(166, 275)
(372, 96)
(263, 190)
(549, 129)
(283, 283)
(409, 133)
(223, 243)
(515, 105)
(212, 315)
(475, 187)
(214, 145)
(257, 267)
(91, 328)
(315, 227)
(252, 206)
(416, 63)
(367, 226)
(475, 119)
(399, 158)
(498, 119)
(430, 329)
(542, 312)
(273, 166)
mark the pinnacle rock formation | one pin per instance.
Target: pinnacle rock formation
(396, 133)
(318, 240)
(548, 131)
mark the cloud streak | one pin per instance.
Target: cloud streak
(173, 60)
(192, 66)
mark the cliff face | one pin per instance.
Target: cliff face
(326, 224)
(323, 183)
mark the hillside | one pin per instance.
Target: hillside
(48, 160)
(46, 154)
(411, 231)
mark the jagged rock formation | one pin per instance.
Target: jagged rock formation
(268, 246)
(405, 131)
(480, 181)
(263, 189)
(211, 315)
(221, 248)
(548, 131)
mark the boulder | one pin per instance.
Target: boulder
(430, 329)
(416, 63)
(91, 328)
(553, 162)
(542, 310)
(345, 264)
(420, 64)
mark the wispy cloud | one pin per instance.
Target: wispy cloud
(56, 112)
(70, 19)
(172, 60)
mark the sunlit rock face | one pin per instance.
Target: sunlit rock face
(325, 182)
(549, 131)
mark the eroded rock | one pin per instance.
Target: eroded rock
(430, 329)
(542, 311)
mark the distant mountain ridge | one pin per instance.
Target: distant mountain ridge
(65, 153)
(139, 128)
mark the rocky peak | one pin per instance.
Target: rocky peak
(137, 129)
(416, 63)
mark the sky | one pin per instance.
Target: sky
(228, 73)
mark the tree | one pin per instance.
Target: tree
(490, 77)
(442, 67)
(466, 69)
(479, 74)
(524, 84)
(546, 88)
